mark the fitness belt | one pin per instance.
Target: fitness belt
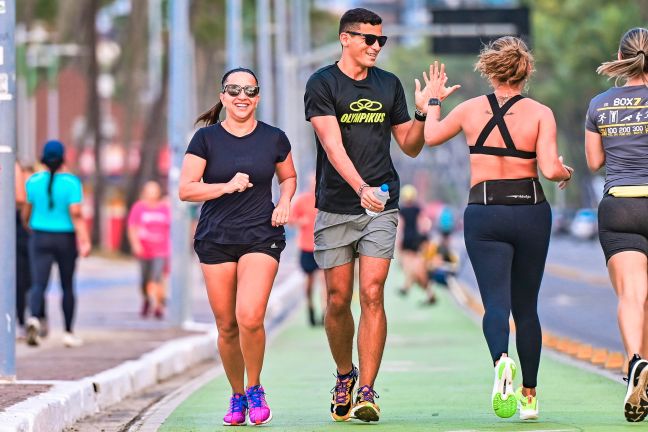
(638, 191)
(507, 192)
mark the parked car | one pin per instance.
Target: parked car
(584, 226)
(561, 220)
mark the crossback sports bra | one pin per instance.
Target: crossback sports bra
(498, 120)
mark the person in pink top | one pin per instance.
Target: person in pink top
(303, 216)
(149, 225)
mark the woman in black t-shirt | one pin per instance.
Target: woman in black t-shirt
(240, 233)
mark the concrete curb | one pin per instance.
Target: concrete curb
(69, 401)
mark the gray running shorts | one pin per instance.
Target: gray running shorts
(340, 237)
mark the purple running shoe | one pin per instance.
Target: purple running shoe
(259, 410)
(236, 413)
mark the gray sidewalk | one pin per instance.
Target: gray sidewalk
(122, 354)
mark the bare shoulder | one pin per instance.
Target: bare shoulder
(536, 107)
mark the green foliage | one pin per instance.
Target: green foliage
(570, 40)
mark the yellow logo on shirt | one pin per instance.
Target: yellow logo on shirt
(364, 117)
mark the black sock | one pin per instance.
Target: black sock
(347, 375)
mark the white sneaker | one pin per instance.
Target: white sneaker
(33, 330)
(503, 397)
(635, 404)
(72, 341)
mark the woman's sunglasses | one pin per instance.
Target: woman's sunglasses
(370, 39)
(235, 90)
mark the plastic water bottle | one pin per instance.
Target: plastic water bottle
(383, 195)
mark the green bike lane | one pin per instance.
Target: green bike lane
(435, 376)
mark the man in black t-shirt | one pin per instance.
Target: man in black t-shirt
(354, 108)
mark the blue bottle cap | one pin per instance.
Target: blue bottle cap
(384, 188)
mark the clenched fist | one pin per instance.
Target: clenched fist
(239, 183)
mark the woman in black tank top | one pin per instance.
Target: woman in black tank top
(507, 222)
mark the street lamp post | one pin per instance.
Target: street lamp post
(7, 191)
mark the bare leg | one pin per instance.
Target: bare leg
(372, 331)
(628, 272)
(256, 274)
(338, 321)
(221, 290)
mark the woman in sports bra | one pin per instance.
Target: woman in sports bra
(616, 137)
(507, 222)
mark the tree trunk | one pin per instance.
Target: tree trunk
(154, 138)
(93, 120)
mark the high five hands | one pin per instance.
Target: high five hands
(435, 86)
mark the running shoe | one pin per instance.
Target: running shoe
(365, 408)
(343, 395)
(503, 396)
(70, 340)
(33, 331)
(259, 411)
(636, 401)
(237, 409)
(528, 405)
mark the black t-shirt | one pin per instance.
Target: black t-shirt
(365, 110)
(240, 217)
(410, 216)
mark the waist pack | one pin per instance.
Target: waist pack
(507, 192)
(638, 191)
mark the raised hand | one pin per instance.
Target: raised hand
(435, 85)
(239, 183)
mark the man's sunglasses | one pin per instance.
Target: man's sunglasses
(235, 90)
(370, 39)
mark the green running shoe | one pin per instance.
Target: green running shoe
(528, 405)
(503, 397)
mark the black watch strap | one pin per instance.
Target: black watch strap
(419, 115)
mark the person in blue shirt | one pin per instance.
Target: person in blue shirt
(53, 213)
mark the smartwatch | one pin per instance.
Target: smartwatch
(434, 101)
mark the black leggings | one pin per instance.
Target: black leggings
(23, 275)
(507, 246)
(45, 249)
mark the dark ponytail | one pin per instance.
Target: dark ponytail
(52, 165)
(211, 116)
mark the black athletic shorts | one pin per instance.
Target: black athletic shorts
(623, 225)
(307, 262)
(217, 253)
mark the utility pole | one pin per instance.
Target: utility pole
(234, 36)
(93, 121)
(179, 127)
(264, 60)
(7, 191)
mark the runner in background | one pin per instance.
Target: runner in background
(149, 225)
(303, 216)
(411, 259)
(23, 275)
(59, 235)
